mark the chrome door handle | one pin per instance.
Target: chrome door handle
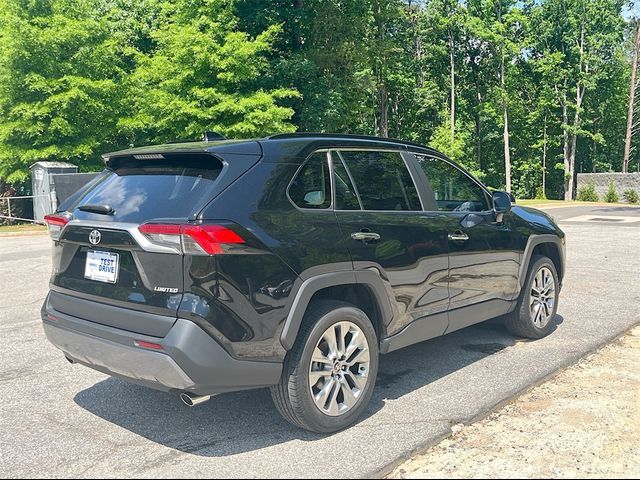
(365, 236)
(458, 237)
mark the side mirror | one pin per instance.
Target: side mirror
(502, 202)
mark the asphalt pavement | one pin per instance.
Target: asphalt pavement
(62, 420)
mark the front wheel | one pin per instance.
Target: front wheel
(538, 302)
(329, 375)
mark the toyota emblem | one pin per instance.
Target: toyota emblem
(94, 237)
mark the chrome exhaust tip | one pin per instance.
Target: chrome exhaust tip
(192, 400)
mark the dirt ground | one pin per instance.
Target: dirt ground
(585, 422)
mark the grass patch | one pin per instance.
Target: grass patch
(569, 203)
(22, 227)
(544, 202)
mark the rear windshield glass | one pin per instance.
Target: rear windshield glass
(139, 190)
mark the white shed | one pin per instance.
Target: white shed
(44, 200)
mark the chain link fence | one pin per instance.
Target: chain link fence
(17, 209)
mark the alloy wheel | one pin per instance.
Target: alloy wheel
(542, 298)
(339, 370)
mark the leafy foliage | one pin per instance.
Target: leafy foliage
(630, 196)
(588, 193)
(60, 74)
(543, 82)
(612, 195)
(78, 78)
(201, 76)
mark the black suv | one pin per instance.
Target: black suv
(288, 262)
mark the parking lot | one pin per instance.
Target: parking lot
(63, 420)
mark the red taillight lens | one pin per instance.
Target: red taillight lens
(159, 229)
(59, 220)
(192, 239)
(149, 345)
(56, 223)
(210, 238)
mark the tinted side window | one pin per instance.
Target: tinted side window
(346, 197)
(454, 191)
(383, 180)
(311, 187)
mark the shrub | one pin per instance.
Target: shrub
(587, 193)
(612, 195)
(630, 196)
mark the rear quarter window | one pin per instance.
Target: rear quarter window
(140, 190)
(311, 186)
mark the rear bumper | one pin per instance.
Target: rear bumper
(190, 359)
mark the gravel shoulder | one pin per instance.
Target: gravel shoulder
(585, 422)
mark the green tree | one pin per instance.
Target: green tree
(201, 75)
(580, 37)
(321, 52)
(61, 76)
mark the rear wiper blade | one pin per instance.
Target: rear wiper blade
(100, 209)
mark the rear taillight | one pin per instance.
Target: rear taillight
(192, 239)
(56, 223)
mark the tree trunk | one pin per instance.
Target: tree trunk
(478, 117)
(544, 158)
(507, 154)
(478, 121)
(505, 134)
(382, 94)
(632, 96)
(565, 142)
(383, 126)
(452, 66)
(413, 12)
(580, 91)
(574, 143)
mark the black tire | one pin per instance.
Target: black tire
(292, 396)
(520, 322)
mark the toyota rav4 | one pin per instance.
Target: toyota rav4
(290, 262)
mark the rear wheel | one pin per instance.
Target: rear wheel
(329, 375)
(538, 302)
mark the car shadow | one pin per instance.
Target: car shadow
(245, 421)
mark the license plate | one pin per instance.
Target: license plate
(102, 266)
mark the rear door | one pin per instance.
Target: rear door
(103, 257)
(384, 224)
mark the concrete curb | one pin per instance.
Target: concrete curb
(568, 362)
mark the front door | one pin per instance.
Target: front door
(483, 258)
(383, 222)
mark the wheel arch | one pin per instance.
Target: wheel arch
(364, 289)
(551, 246)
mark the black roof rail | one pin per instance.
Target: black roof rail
(347, 136)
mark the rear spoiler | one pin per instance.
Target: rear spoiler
(158, 152)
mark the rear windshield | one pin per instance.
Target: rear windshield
(140, 190)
